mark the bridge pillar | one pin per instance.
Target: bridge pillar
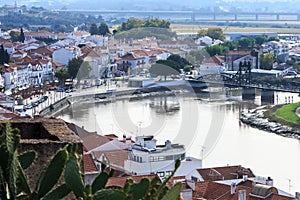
(248, 93)
(267, 96)
(298, 17)
(214, 17)
(278, 17)
(256, 17)
(235, 17)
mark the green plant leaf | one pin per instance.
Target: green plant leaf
(51, 173)
(26, 159)
(173, 193)
(140, 189)
(73, 176)
(58, 193)
(108, 194)
(22, 182)
(99, 182)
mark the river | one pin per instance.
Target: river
(208, 127)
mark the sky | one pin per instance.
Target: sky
(275, 5)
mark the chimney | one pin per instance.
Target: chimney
(297, 196)
(269, 181)
(128, 141)
(232, 188)
(124, 138)
(245, 178)
(242, 195)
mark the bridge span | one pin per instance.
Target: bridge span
(195, 15)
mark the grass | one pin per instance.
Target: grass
(287, 112)
(284, 115)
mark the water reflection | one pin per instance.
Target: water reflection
(165, 105)
(205, 124)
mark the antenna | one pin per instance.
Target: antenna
(290, 185)
(202, 152)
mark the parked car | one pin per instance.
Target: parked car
(28, 106)
(60, 90)
(35, 103)
(20, 110)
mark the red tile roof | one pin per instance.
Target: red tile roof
(94, 140)
(210, 190)
(115, 158)
(111, 136)
(43, 51)
(89, 164)
(225, 173)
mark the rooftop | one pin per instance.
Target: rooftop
(44, 130)
(225, 173)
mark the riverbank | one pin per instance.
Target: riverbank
(107, 97)
(257, 118)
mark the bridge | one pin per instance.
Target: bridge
(194, 16)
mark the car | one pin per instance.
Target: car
(35, 103)
(68, 91)
(45, 97)
(60, 90)
(28, 106)
(20, 110)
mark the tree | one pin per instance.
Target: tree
(259, 40)
(272, 38)
(182, 62)
(246, 42)
(14, 36)
(215, 50)
(214, 33)
(165, 68)
(62, 75)
(79, 69)
(73, 66)
(4, 56)
(266, 61)
(138, 23)
(187, 69)
(198, 55)
(93, 29)
(231, 45)
(22, 36)
(103, 29)
(84, 70)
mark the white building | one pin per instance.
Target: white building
(146, 157)
(65, 54)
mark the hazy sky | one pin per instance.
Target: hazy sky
(275, 5)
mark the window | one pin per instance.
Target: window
(161, 158)
(161, 174)
(168, 173)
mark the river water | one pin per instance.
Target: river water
(208, 126)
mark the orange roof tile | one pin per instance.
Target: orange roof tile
(94, 140)
(89, 164)
(115, 158)
(225, 173)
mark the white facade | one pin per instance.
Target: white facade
(22, 77)
(63, 55)
(145, 157)
(210, 68)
